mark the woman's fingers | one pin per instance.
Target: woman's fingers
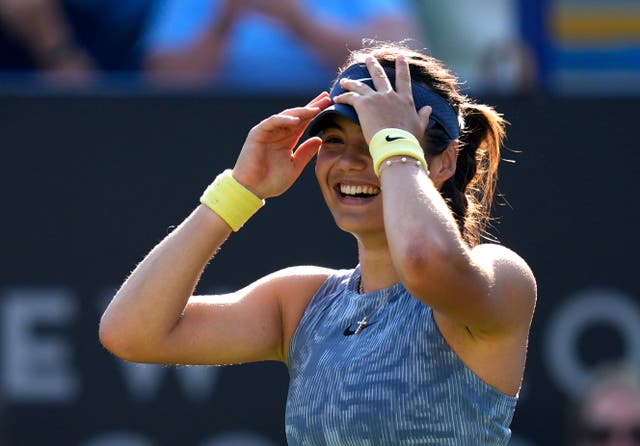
(299, 112)
(381, 80)
(347, 98)
(424, 113)
(286, 127)
(272, 128)
(355, 86)
(305, 152)
(378, 76)
(403, 77)
(311, 109)
(320, 98)
(278, 121)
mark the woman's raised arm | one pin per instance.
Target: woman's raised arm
(154, 318)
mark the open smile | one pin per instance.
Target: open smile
(350, 193)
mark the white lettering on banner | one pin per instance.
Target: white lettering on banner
(36, 367)
(575, 315)
(143, 380)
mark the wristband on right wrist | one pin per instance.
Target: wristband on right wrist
(233, 202)
(395, 142)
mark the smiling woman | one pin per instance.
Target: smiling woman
(424, 340)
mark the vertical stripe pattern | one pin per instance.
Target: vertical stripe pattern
(395, 382)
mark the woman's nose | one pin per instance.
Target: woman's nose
(355, 156)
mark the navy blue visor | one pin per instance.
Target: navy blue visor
(441, 111)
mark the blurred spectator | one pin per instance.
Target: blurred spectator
(40, 28)
(608, 411)
(71, 40)
(481, 41)
(255, 45)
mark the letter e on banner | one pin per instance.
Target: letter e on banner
(36, 366)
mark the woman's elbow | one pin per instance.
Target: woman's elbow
(108, 335)
(115, 340)
(423, 262)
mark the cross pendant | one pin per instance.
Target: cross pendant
(361, 324)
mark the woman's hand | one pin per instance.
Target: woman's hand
(383, 107)
(268, 165)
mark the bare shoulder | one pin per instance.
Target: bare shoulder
(496, 352)
(296, 286)
(303, 273)
(292, 287)
(298, 282)
(513, 282)
(502, 257)
(289, 283)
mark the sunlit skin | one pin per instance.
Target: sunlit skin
(482, 296)
(344, 159)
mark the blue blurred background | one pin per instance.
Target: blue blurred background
(116, 114)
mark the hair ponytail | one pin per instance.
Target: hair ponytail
(471, 190)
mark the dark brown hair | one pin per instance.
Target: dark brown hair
(469, 192)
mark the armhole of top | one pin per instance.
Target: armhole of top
(327, 287)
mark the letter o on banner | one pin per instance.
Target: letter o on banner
(586, 308)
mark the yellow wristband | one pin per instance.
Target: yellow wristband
(393, 142)
(233, 202)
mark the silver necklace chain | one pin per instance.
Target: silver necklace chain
(365, 319)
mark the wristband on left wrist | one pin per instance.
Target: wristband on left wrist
(390, 142)
(233, 202)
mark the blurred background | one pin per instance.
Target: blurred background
(116, 114)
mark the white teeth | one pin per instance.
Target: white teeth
(348, 189)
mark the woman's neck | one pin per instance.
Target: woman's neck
(376, 268)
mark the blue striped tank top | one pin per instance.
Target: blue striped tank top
(396, 382)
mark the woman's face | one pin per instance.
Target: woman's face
(350, 187)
